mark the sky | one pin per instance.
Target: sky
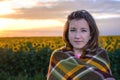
(47, 17)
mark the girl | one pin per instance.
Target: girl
(82, 58)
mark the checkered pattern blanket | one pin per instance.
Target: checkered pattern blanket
(64, 66)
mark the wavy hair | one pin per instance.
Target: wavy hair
(92, 44)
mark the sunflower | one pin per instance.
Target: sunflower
(48, 43)
(110, 48)
(26, 49)
(53, 47)
(23, 44)
(104, 44)
(43, 44)
(38, 49)
(1, 45)
(34, 44)
(118, 46)
(15, 48)
(39, 45)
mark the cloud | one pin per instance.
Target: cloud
(35, 13)
(109, 26)
(43, 11)
(60, 9)
(106, 12)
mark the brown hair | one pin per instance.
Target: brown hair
(94, 33)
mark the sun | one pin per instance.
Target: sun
(5, 8)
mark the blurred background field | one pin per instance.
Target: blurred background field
(27, 58)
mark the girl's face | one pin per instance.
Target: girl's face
(79, 33)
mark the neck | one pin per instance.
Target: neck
(77, 51)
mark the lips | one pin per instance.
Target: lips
(77, 42)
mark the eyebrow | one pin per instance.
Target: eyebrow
(83, 28)
(72, 28)
(75, 28)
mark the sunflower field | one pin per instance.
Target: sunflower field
(27, 58)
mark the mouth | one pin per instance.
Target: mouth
(77, 42)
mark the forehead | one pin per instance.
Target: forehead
(78, 23)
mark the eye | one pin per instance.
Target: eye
(72, 30)
(84, 30)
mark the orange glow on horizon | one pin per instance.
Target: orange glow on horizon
(22, 24)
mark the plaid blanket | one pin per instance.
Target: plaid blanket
(64, 66)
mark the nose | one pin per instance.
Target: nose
(77, 35)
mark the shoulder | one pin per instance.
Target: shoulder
(103, 54)
(59, 54)
(58, 51)
(101, 51)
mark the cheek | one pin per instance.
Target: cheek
(71, 34)
(87, 38)
(70, 37)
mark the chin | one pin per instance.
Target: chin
(78, 47)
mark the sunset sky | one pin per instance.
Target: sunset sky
(47, 17)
